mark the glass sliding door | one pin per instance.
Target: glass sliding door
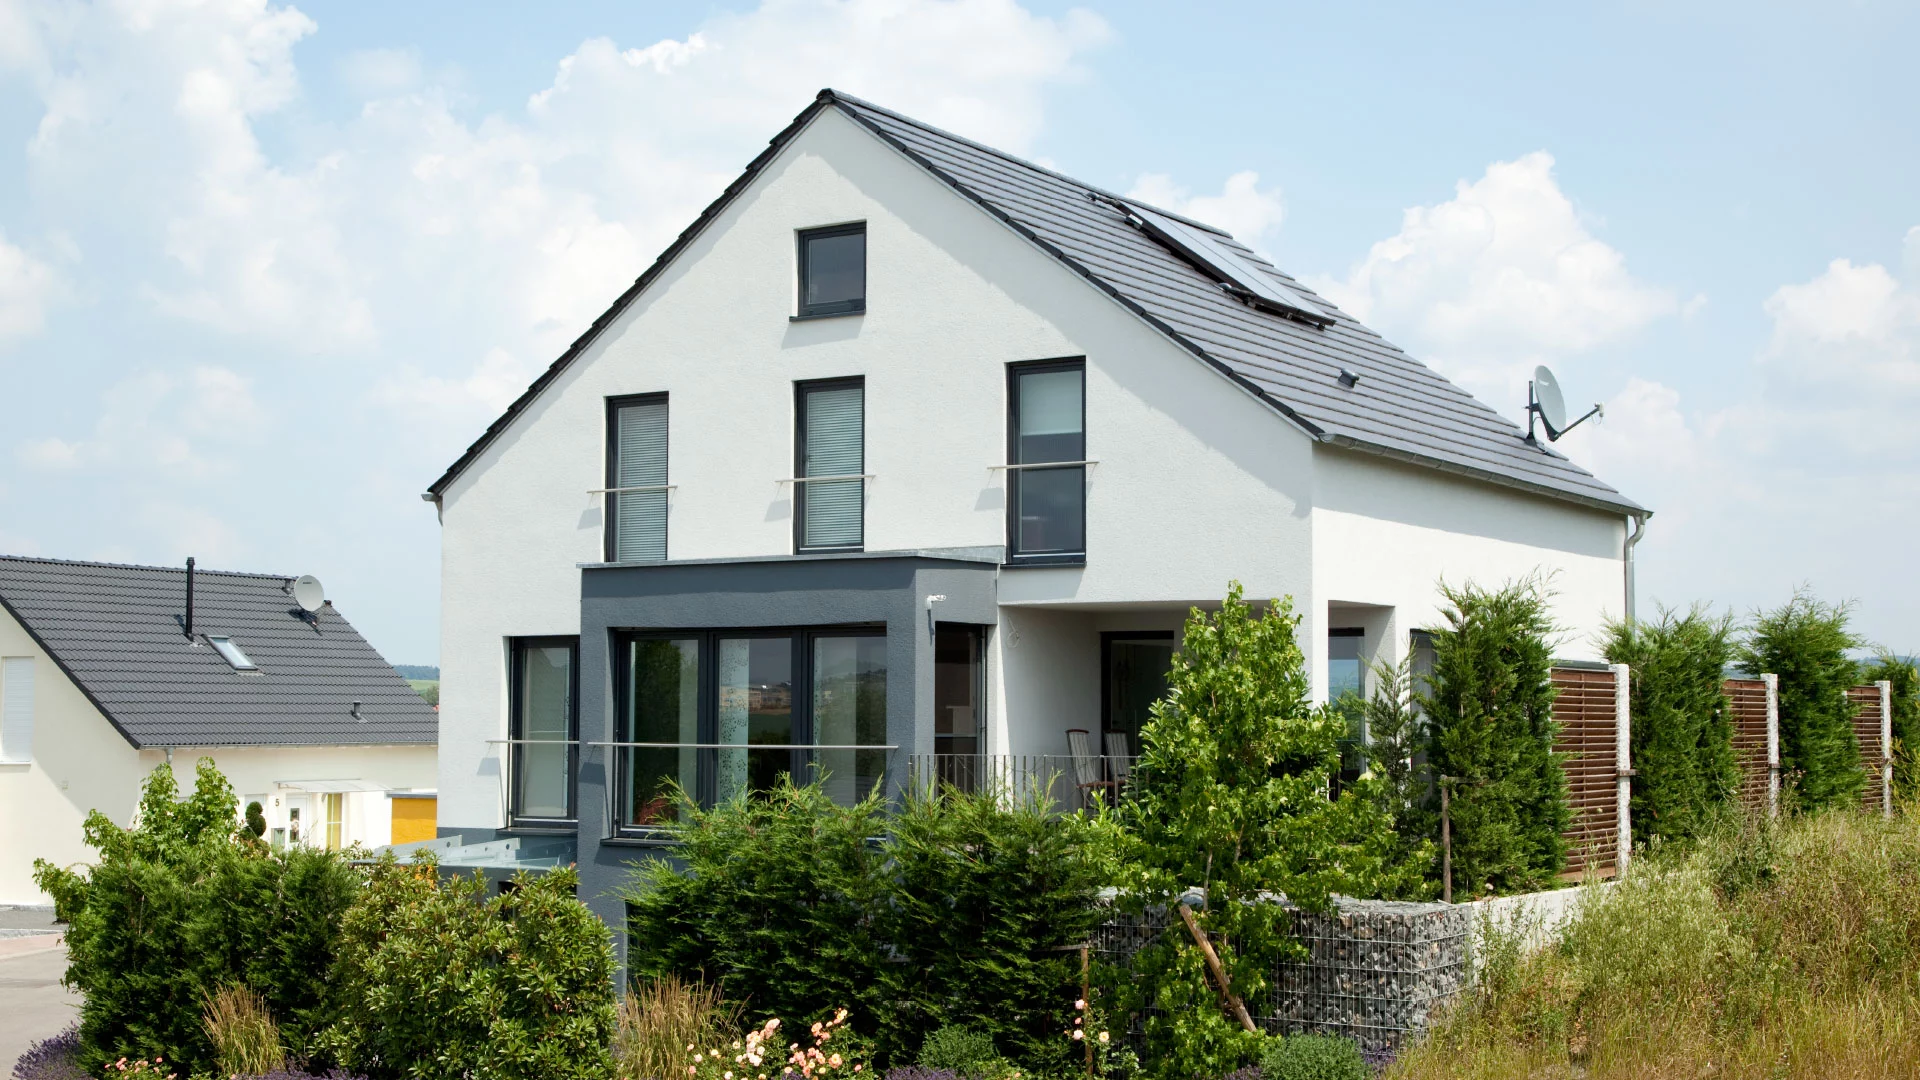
(542, 726)
(755, 706)
(663, 706)
(959, 692)
(850, 710)
(1136, 677)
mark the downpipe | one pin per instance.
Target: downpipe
(1626, 556)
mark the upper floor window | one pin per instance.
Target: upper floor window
(1046, 451)
(543, 726)
(833, 270)
(829, 465)
(637, 478)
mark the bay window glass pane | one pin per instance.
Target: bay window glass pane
(833, 271)
(543, 722)
(1048, 504)
(663, 706)
(639, 517)
(756, 709)
(832, 444)
(850, 709)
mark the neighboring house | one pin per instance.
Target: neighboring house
(104, 674)
(909, 455)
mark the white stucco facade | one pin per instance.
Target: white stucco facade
(78, 763)
(1197, 481)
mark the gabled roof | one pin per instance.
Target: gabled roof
(1399, 407)
(117, 632)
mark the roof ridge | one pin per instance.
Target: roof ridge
(143, 566)
(830, 94)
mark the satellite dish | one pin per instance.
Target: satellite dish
(308, 593)
(1545, 401)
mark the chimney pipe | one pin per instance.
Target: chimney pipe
(189, 626)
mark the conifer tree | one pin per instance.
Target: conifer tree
(1805, 643)
(1491, 707)
(1682, 728)
(1905, 678)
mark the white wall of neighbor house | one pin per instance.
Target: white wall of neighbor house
(1385, 534)
(76, 764)
(1194, 475)
(281, 778)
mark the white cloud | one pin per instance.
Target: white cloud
(27, 287)
(1502, 276)
(1241, 208)
(160, 422)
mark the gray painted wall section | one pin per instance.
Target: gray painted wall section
(801, 592)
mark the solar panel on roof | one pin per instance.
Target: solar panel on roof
(1233, 269)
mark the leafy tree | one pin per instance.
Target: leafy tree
(1490, 702)
(1901, 672)
(1231, 795)
(1805, 643)
(1396, 750)
(1682, 727)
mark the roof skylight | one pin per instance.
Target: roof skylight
(1239, 274)
(230, 650)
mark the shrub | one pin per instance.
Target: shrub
(961, 1050)
(1805, 643)
(179, 906)
(657, 1023)
(1682, 729)
(1905, 680)
(1231, 793)
(52, 1059)
(256, 817)
(244, 1036)
(437, 979)
(1313, 1057)
(1491, 705)
(1396, 740)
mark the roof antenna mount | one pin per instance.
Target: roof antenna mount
(1545, 401)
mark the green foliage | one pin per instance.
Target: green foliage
(963, 1050)
(256, 818)
(180, 906)
(1805, 643)
(1491, 704)
(1906, 719)
(1396, 737)
(1313, 1057)
(659, 1019)
(428, 689)
(245, 1038)
(1231, 796)
(1682, 729)
(793, 905)
(435, 979)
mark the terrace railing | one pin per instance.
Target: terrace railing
(1053, 778)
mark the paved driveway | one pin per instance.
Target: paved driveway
(33, 1004)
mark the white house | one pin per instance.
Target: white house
(908, 448)
(106, 671)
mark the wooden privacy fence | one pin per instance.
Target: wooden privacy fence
(1596, 735)
(1873, 730)
(1756, 741)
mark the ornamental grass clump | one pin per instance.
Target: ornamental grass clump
(660, 1019)
(245, 1038)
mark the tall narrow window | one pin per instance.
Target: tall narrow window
(1345, 686)
(333, 818)
(1047, 503)
(755, 706)
(833, 270)
(850, 711)
(637, 479)
(662, 706)
(16, 709)
(959, 693)
(830, 458)
(544, 728)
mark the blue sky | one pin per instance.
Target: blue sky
(266, 268)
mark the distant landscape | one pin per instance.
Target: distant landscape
(425, 679)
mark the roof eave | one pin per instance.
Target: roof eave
(1622, 505)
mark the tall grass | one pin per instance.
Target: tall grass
(246, 1041)
(1775, 951)
(661, 1019)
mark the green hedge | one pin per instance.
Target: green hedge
(1682, 728)
(1906, 719)
(1805, 642)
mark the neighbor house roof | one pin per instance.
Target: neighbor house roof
(1398, 407)
(118, 632)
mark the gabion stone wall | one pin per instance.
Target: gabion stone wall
(1377, 971)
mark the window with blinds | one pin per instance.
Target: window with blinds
(830, 453)
(637, 479)
(1047, 504)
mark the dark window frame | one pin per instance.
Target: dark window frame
(842, 307)
(1107, 640)
(516, 724)
(1014, 556)
(707, 707)
(609, 539)
(801, 389)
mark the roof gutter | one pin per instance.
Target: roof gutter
(1348, 442)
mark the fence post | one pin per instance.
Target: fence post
(1773, 742)
(1886, 746)
(1623, 761)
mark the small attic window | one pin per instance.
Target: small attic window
(232, 653)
